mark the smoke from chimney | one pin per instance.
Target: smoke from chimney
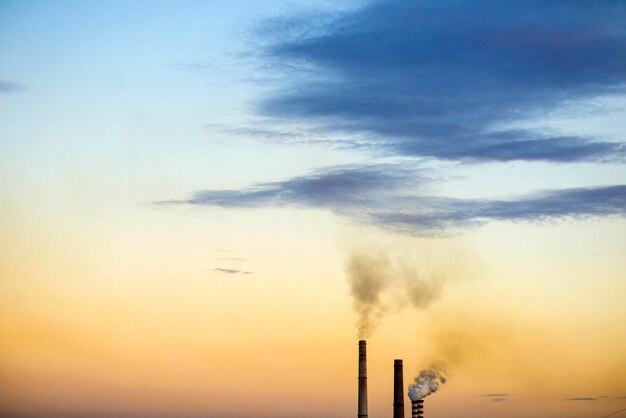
(362, 401)
(370, 275)
(426, 382)
(368, 278)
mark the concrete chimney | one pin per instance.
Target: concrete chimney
(362, 411)
(398, 390)
(417, 409)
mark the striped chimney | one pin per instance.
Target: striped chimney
(417, 409)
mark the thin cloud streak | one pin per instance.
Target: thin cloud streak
(10, 87)
(335, 188)
(231, 271)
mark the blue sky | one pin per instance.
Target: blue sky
(116, 88)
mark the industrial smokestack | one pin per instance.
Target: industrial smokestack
(417, 408)
(362, 411)
(398, 390)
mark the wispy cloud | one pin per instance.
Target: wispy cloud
(444, 79)
(9, 87)
(497, 397)
(194, 65)
(231, 271)
(336, 187)
(389, 196)
(581, 399)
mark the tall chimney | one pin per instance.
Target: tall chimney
(398, 390)
(362, 412)
(417, 408)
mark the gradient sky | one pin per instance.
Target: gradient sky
(187, 187)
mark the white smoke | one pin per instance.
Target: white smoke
(426, 383)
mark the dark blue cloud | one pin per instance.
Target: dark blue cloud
(445, 214)
(389, 196)
(441, 78)
(334, 188)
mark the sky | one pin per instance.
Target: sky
(205, 205)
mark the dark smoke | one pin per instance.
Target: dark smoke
(370, 275)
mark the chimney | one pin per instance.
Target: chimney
(417, 409)
(362, 412)
(398, 390)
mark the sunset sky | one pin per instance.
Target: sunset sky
(204, 205)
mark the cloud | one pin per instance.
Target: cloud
(340, 187)
(9, 87)
(581, 399)
(194, 65)
(497, 397)
(446, 213)
(436, 79)
(389, 196)
(231, 271)
(446, 79)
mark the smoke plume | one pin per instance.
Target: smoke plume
(426, 383)
(368, 276)
(371, 275)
